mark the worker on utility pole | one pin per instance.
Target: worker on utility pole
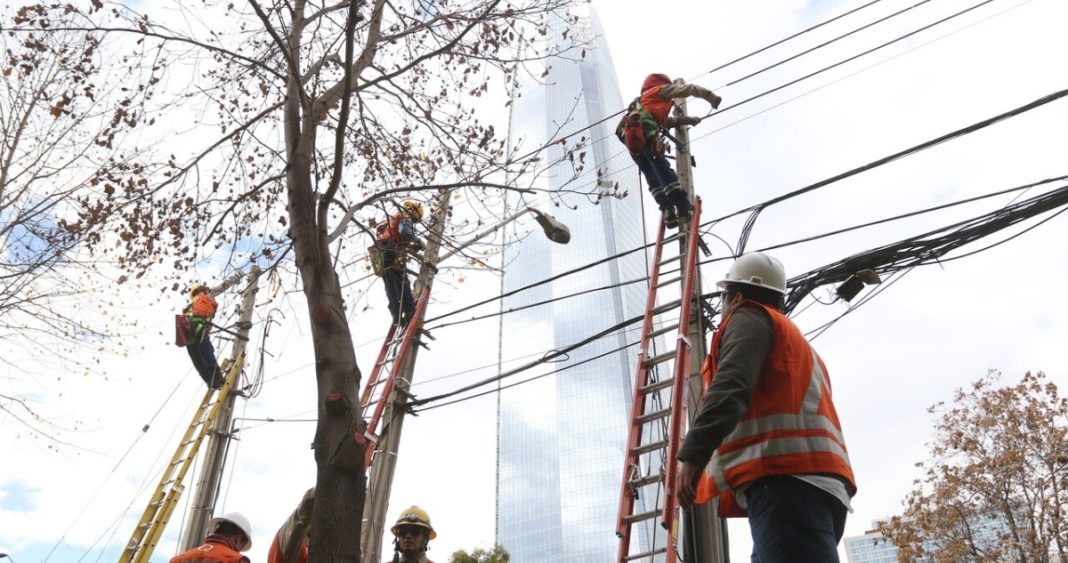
(228, 535)
(201, 310)
(290, 543)
(640, 129)
(766, 439)
(394, 240)
(411, 536)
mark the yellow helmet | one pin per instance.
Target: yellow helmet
(197, 288)
(415, 209)
(414, 516)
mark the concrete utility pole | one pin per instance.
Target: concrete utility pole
(207, 488)
(380, 482)
(704, 532)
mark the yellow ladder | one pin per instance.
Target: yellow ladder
(160, 507)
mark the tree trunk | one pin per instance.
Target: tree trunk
(340, 476)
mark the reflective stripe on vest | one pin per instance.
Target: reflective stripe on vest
(791, 426)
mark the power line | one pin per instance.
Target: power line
(907, 254)
(854, 57)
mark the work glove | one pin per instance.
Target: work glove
(713, 100)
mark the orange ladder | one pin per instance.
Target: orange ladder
(394, 352)
(655, 429)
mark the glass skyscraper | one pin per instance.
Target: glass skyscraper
(562, 435)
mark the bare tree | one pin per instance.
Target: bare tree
(994, 485)
(59, 133)
(315, 111)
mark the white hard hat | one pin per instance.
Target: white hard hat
(759, 269)
(239, 520)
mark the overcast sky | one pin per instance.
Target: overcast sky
(938, 328)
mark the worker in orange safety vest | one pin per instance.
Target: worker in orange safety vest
(766, 440)
(290, 543)
(394, 240)
(640, 129)
(228, 535)
(200, 312)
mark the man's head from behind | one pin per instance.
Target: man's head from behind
(755, 276)
(234, 527)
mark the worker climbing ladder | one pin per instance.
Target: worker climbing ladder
(657, 409)
(383, 376)
(164, 500)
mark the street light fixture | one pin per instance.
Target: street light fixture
(554, 230)
(10, 558)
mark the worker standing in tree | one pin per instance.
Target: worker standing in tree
(200, 311)
(767, 435)
(290, 543)
(395, 239)
(411, 536)
(228, 535)
(640, 131)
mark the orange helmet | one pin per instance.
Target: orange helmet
(654, 80)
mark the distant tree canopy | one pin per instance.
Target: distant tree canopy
(496, 555)
(994, 485)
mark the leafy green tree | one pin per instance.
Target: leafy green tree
(495, 555)
(995, 484)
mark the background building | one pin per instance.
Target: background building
(562, 437)
(872, 547)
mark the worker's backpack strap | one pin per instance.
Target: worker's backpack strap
(374, 254)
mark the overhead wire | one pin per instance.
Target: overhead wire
(111, 473)
(854, 57)
(924, 251)
(561, 140)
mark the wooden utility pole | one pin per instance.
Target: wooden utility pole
(211, 470)
(704, 532)
(380, 482)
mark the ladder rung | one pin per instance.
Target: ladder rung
(673, 237)
(646, 481)
(660, 358)
(667, 261)
(667, 307)
(662, 413)
(664, 330)
(669, 282)
(656, 386)
(650, 447)
(652, 553)
(641, 517)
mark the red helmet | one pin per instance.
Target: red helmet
(654, 80)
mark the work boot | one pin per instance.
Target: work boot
(671, 220)
(225, 367)
(684, 214)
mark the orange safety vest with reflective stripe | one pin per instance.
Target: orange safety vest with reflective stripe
(657, 106)
(791, 427)
(391, 232)
(214, 550)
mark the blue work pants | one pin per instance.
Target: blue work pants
(793, 521)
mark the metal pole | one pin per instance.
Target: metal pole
(385, 463)
(704, 532)
(207, 488)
